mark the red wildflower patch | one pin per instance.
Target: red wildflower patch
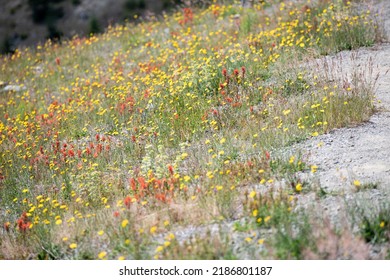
(23, 223)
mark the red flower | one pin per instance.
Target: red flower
(142, 182)
(71, 153)
(161, 197)
(23, 223)
(133, 184)
(170, 169)
(127, 201)
(116, 214)
(99, 148)
(224, 72)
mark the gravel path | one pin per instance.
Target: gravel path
(363, 152)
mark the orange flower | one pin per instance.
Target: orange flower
(6, 226)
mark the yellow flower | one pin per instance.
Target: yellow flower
(260, 241)
(255, 212)
(266, 219)
(248, 239)
(73, 246)
(121, 258)
(125, 222)
(382, 224)
(171, 236)
(298, 187)
(252, 194)
(356, 183)
(102, 255)
(58, 222)
(314, 168)
(127, 241)
(153, 229)
(159, 249)
(100, 232)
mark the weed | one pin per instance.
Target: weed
(375, 227)
(365, 186)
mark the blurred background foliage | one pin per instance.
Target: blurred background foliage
(28, 22)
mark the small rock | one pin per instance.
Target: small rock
(15, 88)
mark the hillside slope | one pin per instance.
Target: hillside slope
(165, 139)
